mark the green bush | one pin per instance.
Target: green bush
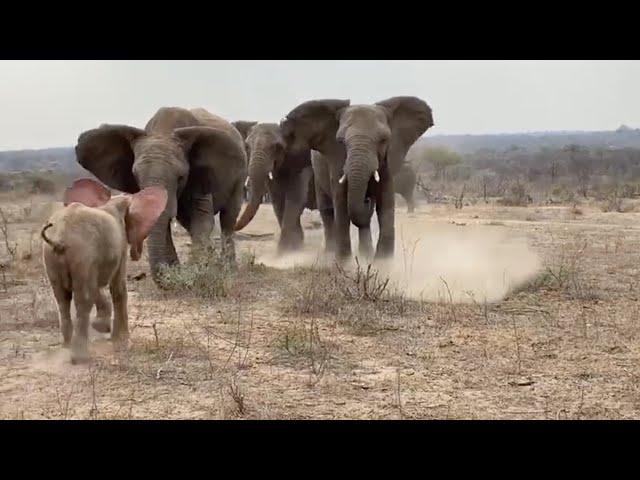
(207, 275)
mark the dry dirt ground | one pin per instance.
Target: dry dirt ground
(490, 312)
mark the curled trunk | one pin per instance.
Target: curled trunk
(259, 168)
(160, 245)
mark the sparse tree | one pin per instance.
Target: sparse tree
(581, 166)
(440, 158)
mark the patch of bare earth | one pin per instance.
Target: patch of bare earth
(299, 338)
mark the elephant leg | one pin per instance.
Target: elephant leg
(119, 295)
(385, 208)
(63, 299)
(328, 221)
(365, 244)
(102, 323)
(83, 298)
(341, 223)
(201, 220)
(277, 191)
(228, 216)
(292, 235)
(325, 207)
(411, 206)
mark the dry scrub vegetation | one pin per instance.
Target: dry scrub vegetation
(308, 339)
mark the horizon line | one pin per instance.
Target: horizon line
(425, 136)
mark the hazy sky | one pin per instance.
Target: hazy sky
(49, 103)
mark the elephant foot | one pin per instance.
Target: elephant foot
(382, 255)
(365, 251)
(80, 360)
(289, 247)
(80, 353)
(102, 325)
(342, 258)
(120, 341)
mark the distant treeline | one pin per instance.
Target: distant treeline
(57, 159)
(544, 168)
(623, 137)
(63, 159)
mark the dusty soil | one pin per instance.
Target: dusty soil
(491, 312)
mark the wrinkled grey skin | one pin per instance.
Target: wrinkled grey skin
(197, 157)
(404, 183)
(289, 187)
(356, 141)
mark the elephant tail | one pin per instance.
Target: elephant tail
(58, 248)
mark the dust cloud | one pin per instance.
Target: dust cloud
(436, 261)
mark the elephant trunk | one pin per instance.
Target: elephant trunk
(259, 168)
(361, 165)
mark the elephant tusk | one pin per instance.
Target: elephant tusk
(376, 176)
(270, 176)
(246, 182)
(342, 178)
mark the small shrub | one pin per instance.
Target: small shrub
(43, 185)
(205, 276)
(302, 341)
(361, 298)
(248, 262)
(565, 274)
(517, 196)
(613, 203)
(575, 210)
(363, 284)
(629, 191)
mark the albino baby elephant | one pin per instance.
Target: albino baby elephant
(85, 250)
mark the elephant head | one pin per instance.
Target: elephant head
(266, 149)
(172, 152)
(243, 127)
(375, 139)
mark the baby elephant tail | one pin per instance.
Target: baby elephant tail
(57, 247)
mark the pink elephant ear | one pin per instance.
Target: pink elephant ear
(88, 192)
(144, 209)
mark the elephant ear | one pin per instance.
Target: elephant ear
(107, 152)
(244, 127)
(203, 147)
(314, 120)
(144, 209)
(88, 192)
(409, 118)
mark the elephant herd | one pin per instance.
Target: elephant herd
(344, 160)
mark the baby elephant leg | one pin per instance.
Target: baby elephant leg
(102, 323)
(83, 301)
(63, 299)
(118, 288)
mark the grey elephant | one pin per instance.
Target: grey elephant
(357, 151)
(285, 174)
(199, 158)
(404, 183)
